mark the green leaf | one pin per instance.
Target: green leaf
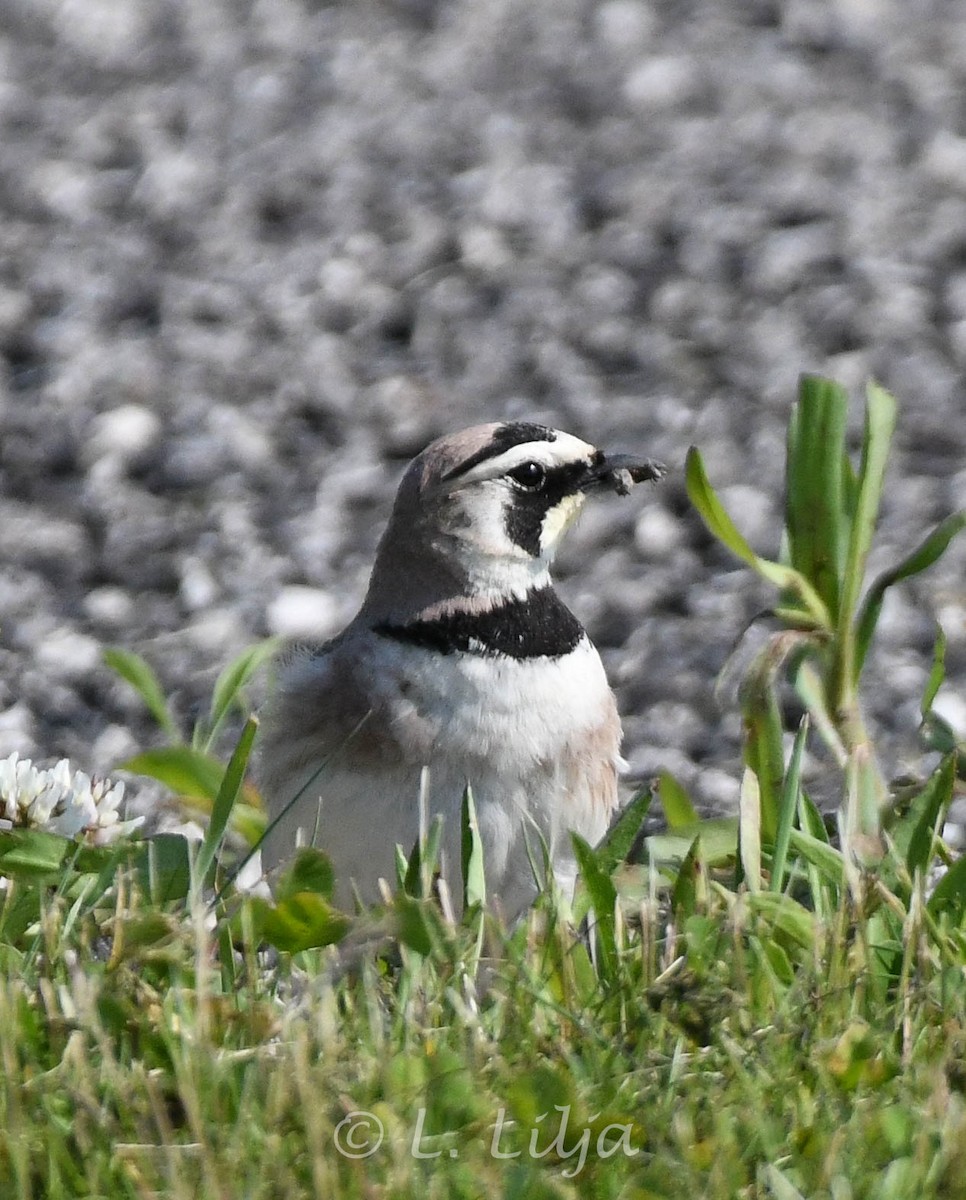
(880, 420)
(880, 423)
(749, 830)
(538, 1091)
(937, 673)
(816, 515)
(185, 771)
(774, 958)
(231, 681)
(822, 887)
(794, 922)
(302, 921)
(923, 557)
(938, 734)
(32, 853)
(225, 800)
(424, 860)
(145, 929)
(310, 871)
(712, 512)
(764, 748)
(913, 833)
(163, 865)
(780, 1187)
(139, 674)
(719, 842)
(820, 854)
(811, 690)
(620, 838)
(865, 801)
(474, 876)
(684, 894)
(603, 899)
(416, 924)
(21, 908)
(791, 789)
(678, 809)
(949, 894)
(810, 819)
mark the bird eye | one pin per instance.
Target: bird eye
(530, 476)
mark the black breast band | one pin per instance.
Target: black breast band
(538, 626)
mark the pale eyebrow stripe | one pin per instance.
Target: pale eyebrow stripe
(516, 433)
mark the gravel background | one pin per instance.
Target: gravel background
(254, 254)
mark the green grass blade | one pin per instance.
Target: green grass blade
(603, 898)
(424, 860)
(678, 809)
(923, 557)
(779, 1186)
(230, 683)
(686, 889)
(810, 819)
(712, 512)
(620, 839)
(863, 807)
(185, 771)
(719, 843)
(474, 877)
(823, 892)
(225, 800)
(880, 420)
(937, 673)
(791, 789)
(140, 675)
(792, 920)
(820, 854)
(764, 751)
(949, 894)
(816, 516)
(811, 690)
(913, 835)
(749, 830)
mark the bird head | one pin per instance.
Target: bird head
(481, 513)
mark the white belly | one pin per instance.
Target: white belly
(508, 728)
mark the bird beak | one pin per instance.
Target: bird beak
(621, 472)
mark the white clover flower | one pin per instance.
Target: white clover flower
(55, 800)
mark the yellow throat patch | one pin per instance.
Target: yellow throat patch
(558, 520)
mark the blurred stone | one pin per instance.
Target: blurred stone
(753, 512)
(125, 434)
(111, 606)
(110, 32)
(660, 83)
(68, 654)
(31, 538)
(945, 160)
(304, 612)
(626, 26)
(198, 586)
(657, 534)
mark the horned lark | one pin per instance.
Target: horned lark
(462, 660)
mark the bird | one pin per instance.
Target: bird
(463, 667)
